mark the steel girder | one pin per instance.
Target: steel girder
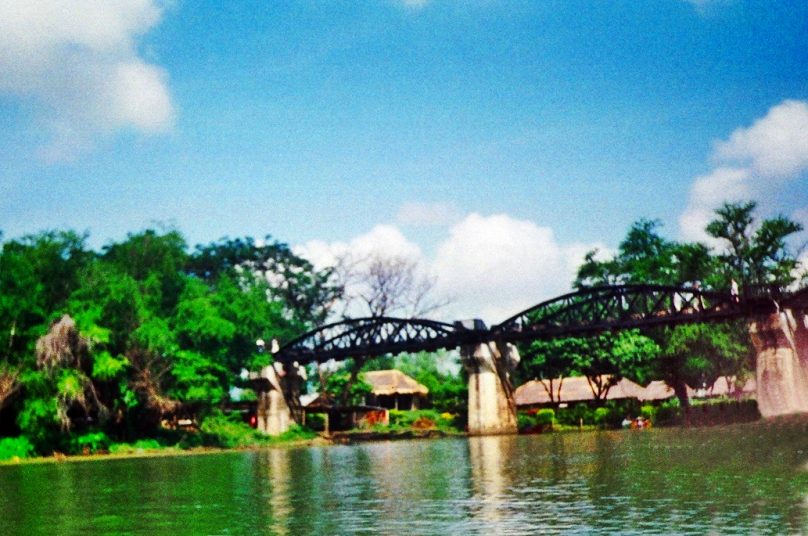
(606, 308)
(586, 311)
(372, 336)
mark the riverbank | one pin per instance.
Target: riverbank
(162, 452)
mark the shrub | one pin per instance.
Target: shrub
(422, 419)
(295, 433)
(574, 415)
(669, 412)
(315, 421)
(649, 412)
(545, 417)
(602, 416)
(90, 442)
(220, 431)
(15, 447)
(141, 445)
(525, 421)
(226, 432)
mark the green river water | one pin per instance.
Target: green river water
(742, 479)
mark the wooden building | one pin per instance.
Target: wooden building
(392, 389)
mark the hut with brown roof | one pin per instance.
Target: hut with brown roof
(576, 389)
(392, 389)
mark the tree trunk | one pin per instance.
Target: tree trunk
(680, 388)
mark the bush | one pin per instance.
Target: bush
(141, 445)
(221, 431)
(574, 415)
(230, 432)
(602, 416)
(545, 417)
(536, 420)
(422, 419)
(649, 412)
(15, 447)
(295, 433)
(90, 442)
(669, 412)
(315, 421)
(525, 421)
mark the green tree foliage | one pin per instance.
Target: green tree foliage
(308, 294)
(604, 359)
(697, 354)
(755, 254)
(152, 331)
(645, 257)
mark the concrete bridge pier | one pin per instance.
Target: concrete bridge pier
(278, 389)
(491, 408)
(781, 343)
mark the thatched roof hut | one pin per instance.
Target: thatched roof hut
(729, 386)
(576, 389)
(393, 389)
(573, 390)
(390, 382)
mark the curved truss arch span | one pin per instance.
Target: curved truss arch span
(618, 307)
(370, 336)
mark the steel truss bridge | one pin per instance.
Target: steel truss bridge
(587, 311)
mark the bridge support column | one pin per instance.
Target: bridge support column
(491, 408)
(274, 416)
(278, 393)
(781, 343)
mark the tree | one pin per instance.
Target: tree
(308, 294)
(548, 362)
(645, 257)
(755, 254)
(694, 354)
(604, 359)
(697, 354)
(388, 286)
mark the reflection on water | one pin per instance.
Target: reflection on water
(739, 479)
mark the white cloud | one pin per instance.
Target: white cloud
(496, 266)
(775, 146)
(419, 214)
(707, 193)
(755, 162)
(491, 266)
(77, 63)
(382, 240)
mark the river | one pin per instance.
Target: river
(740, 479)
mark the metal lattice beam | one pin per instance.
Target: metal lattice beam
(372, 336)
(586, 311)
(624, 307)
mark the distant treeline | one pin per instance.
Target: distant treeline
(114, 342)
(119, 339)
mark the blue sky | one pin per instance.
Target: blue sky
(414, 126)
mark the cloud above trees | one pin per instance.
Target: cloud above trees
(75, 65)
(755, 162)
(490, 267)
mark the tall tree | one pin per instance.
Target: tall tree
(308, 294)
(388, 286)
(755, 253)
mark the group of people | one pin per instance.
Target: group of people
(637, 423)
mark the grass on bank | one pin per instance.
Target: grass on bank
(413, 422)
(216, 431)
(611, 414)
